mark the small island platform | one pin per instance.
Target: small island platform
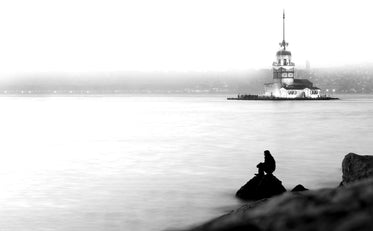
(262, 97)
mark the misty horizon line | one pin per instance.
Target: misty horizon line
(342, 80)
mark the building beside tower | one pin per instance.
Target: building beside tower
(284, 84)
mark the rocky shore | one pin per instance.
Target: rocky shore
(344, 208)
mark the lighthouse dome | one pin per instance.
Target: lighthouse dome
(283, 53)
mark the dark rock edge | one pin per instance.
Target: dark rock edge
(345, 208)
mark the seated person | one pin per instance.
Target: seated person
(268, 166)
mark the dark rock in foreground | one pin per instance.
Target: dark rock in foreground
(260, 187)
(346, 208)
(356, 167)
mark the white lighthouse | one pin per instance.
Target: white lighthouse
(284, 84)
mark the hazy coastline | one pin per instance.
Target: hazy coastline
(337, 80)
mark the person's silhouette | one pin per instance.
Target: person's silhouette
(268, 166)
(264, 184)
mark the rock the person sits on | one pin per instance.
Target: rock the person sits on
(264, 184)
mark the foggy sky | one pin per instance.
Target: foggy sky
(178, 35)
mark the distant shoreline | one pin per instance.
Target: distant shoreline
(229, 96)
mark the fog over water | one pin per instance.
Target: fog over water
(157, 162)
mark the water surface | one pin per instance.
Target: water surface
(157, 162)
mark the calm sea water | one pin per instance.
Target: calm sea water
(158, 162)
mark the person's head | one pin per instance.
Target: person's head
(267, 153)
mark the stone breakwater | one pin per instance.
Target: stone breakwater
(345, 208)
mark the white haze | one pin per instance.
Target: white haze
(206, 35)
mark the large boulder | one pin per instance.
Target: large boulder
(261, 186)
(346, 208)
(356, 167)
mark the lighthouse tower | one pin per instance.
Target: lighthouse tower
(283, 68)
(284, 84)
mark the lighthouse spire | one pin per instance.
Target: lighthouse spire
(283, 43)
(283, 25)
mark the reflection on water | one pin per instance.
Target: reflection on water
(150, 163)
